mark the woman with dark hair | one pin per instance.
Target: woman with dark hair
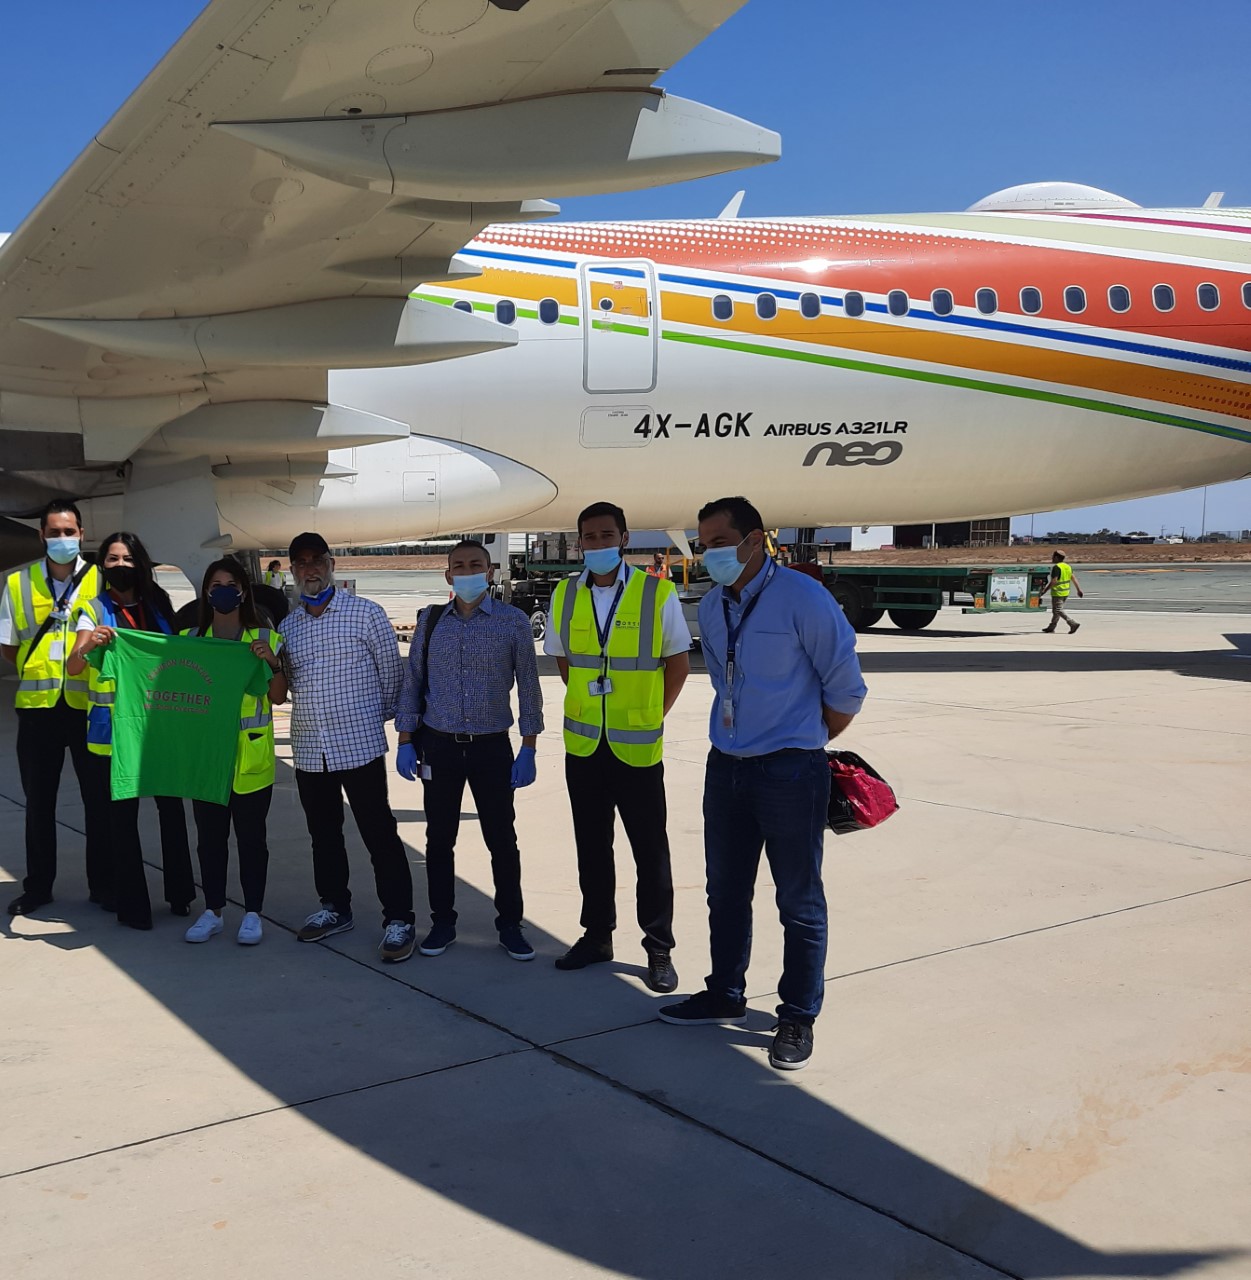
(228, 612)
(132, 601)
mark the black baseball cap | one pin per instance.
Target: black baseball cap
(313, 542)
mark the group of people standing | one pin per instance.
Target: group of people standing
(785, 680)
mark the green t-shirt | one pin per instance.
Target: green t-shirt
(176, 712)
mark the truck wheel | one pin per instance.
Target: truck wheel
(912, 619)
(849, 601)
(869, 618)
(538, 623)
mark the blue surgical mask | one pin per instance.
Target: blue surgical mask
(602, 560)
(62, 550)
(469, 586)
(320, 598)
(225, 599)
(723, 564)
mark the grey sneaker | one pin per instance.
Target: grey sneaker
(321, 924)
(398, 940)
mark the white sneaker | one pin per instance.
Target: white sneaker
(204, 928)
(250, 931)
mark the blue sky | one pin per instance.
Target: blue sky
(912, 105)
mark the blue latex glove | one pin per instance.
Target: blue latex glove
(524, 771)
(406, 762)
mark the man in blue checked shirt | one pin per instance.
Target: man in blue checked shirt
(785, 680)
(453, 722)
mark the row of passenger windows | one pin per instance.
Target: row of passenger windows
(506, 309)
(1163, 298)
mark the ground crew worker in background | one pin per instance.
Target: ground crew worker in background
(453, 720)
(621, 644)
(133, 601)
(227, 611)
(785, 680)
(36, 635)
(274, 576)
(1059, 584)
(658, 568)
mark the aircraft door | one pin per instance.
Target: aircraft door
(622, 314)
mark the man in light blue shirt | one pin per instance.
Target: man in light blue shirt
(785, 680)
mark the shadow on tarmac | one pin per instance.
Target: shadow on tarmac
(576, 1158)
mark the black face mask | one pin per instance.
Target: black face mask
(122, 577)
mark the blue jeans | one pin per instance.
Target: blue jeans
(779, 802)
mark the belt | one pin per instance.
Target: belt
(465, 737)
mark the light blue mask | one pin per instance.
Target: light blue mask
(62, 550)
(602, 560)
(723, 565)
(469, 586)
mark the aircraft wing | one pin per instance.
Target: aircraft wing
(258, 211)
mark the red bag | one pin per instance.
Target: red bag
(859, 796)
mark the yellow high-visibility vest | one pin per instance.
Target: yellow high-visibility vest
(1062, 588)
(43, 677)
(254, 759)
(632, 714)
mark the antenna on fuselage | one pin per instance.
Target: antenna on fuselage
(1214, 200)
(731, 209)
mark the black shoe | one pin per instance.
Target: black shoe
(325, 923)
(515, 942)
(702, 1008)
(27, 903)
(792, 1046)
(585, 951)
(661, 975)
(136, 922)
(180, 908)
(437, 941)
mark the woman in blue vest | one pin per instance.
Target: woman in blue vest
(228, 612)
(133, 601)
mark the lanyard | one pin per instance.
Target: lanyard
(732, 632)
(130, 618)
(606, 630)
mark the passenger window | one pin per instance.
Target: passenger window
(506, 311)
(987, 301)
(722, 307)
(463, 304)
(942, 302)
(1118, 298)
(809, 306)
(1031, 300)
(1246, 294)
(1209, 296)
(766, 306)
(549, 310)
(1162, 296)
(853, 303)
(605, 304)
(1075, 299)
(897, 302)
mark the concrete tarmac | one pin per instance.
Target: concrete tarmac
(1033, 1059)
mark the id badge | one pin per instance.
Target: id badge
(727, 713)
(56, 650)
(425, 772)
(600, 688)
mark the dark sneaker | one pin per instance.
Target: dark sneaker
(792, 1046)
(514, 942)
(180, 908)
(1073, 627)
(584, 952)
(1048, 631)
(702, 1008)
(398, 940)
(437, 941)
(321, 924)
(661, 975)
(26, 903)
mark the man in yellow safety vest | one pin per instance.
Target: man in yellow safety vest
(37, 618)
(1060, 584)
(621, 643)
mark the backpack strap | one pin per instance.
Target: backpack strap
(432, 615)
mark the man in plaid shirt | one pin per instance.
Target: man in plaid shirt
(345, 673)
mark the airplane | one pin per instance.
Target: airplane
(300, 281)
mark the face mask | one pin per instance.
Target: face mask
(723, 565)
(225, 599)
(469, 586)
(320, 598)
(604, 560)
(122, 577)
(62, 550)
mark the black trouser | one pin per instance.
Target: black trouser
(130, 879)
(486, 763)
(600, 785)
(321, 794)
(44, 734)
(212, 824)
